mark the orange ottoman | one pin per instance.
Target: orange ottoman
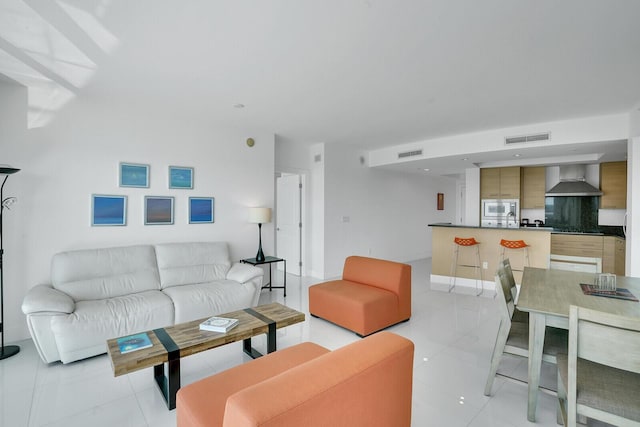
(373, 294)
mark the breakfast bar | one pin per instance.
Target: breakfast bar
(538, 240)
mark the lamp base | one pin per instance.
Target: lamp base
(8, 351)
(260, 256)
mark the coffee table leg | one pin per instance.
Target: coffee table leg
(271, 343)
(168, 384)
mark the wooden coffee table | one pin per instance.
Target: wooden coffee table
(172, 343)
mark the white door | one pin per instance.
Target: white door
(288, 243)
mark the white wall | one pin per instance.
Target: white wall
(633, 187)
(378, 213)
(78, 154)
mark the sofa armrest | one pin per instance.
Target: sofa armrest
(243, 272)
(43, 298)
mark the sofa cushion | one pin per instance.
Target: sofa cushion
(94, 322)
(93, 274)
(190, 263)
(208, 299)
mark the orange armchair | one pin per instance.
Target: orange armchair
(367, 383)
(373, 294)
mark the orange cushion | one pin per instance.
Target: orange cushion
(202, 403)
(361, 308)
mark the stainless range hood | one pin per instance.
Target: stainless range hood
(573, 183)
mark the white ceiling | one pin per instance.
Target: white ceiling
(368, 72)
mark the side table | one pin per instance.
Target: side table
(270, 260)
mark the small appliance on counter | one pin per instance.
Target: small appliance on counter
(500, 213)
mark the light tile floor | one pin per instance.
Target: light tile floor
(453, 334)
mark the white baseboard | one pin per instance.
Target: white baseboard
(463, 285)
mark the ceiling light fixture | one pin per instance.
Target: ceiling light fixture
(426, 169)
(516, 155)
(465, 159)
(238, 106)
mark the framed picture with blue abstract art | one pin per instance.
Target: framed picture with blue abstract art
(134, 175)
(201, 210)
(108, 210)
(158, 210)
(180, 177)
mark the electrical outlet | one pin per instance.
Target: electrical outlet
(485, 265)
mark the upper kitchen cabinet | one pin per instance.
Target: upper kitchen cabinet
(500, 183)
(533, 188)
(613, 184)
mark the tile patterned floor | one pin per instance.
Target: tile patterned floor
(453, 334)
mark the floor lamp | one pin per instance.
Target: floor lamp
(259, 216)
(9, 350)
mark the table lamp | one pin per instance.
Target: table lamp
(259, 216)
(9, 350)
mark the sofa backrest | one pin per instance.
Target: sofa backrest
(91, 274)
(366, 383)
(189, 263)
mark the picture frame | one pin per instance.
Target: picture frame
(134, 175)
(440, 201)
(181, 177)
(158, 210)
(108, 210)
(201, 210)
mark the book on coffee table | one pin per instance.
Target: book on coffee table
(134, 342)
(218, 324)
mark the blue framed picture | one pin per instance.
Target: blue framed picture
(134, 175)
(201, 210)
(108, 210)
(158, 210)
(180, 177)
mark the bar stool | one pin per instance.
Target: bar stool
(515, 245)
(466, 242)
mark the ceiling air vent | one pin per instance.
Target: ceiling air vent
(527, 138)
(410, 154)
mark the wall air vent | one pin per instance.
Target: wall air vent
(527, 138)
(410, 154)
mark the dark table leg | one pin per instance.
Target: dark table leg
(168, 384)
(271, 336)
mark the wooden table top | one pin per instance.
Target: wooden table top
(191, 340)
(553, 291)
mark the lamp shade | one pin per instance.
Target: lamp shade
(259, 215)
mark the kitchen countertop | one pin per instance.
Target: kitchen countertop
(607, 231)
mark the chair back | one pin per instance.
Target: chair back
(604, 338)
(503, 292)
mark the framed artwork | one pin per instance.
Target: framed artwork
(440, 201)
(134, 175)
(180, 177)
(108, 210)
(201, 210)
(158, 210)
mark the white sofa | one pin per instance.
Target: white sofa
(97, 294)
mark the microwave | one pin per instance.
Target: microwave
(500, 213)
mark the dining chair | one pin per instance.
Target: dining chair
(599, 378)
(518, 316)
(513, 336)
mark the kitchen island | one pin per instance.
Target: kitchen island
(538, 239)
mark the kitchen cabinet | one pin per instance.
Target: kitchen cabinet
(500, 183)
(613, 184)
(610, 249)
(533, 188)
(577, 245)
(613, 260)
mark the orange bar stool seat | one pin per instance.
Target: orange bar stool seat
(515, 245)
(468, 243)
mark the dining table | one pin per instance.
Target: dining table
(547, 294)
